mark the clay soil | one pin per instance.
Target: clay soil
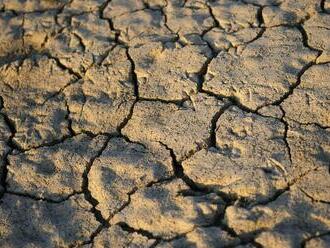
(165, 123)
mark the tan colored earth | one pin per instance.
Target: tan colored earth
(165, 123)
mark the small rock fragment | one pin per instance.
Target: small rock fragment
(165, 211)
(124, 167)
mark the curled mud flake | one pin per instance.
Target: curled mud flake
(166, 205)
(61, 166)
(183, 129)
(95, 33)
(203, 237)
(271, 111)
(326, 6)
(117, 8)
(262, 71)
(124, 167)
(103, 100)
(233, 16)
(290, 12)
(115, 236)
(38, 29)
(44, 224)
(156, 4)
(250, 161)
(167, 73)
(11, 37)
(33, 5)
(221, 40)
(318, 31)
(70, 51)
(319, 242)
(143, 25)
(314, 183)
(310, 102)
(31, 100)
(76, 7)
(189, 20)
(289, 219)
(310, 150)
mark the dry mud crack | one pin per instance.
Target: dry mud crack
(165, 123)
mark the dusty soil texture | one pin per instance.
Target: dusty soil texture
(165, 123)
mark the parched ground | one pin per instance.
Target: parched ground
(165, 123)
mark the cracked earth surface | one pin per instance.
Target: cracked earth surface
(165, 123)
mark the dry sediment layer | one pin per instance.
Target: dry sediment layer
(165, 123)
